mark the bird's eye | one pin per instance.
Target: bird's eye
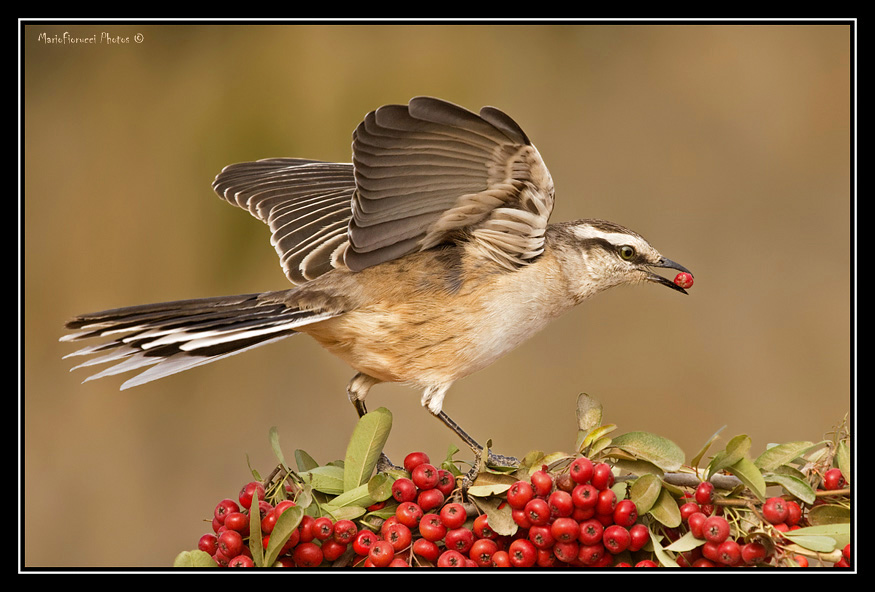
(627, 252)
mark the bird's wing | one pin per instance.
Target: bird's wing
(423, 174)
(306, 204)
(431, 172)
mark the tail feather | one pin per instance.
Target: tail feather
(175, 336)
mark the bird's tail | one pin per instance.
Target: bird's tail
(175, 336)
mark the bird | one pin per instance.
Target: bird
(425, 259)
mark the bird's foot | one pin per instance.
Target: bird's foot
(384, 464)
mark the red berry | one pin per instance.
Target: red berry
(519, 494)
(269, 521)
(729, 552)
(403, 490)
(238, 521)
(639, 534)
(323, 528)
(345, 531)
(209, 543)
(501, 558)
(646, 563)
(537, 511)
(775, 510)
(481, 527)
(715, 529)
(542, 537)
(705, 493)
(688, 509)
(591, 554)
(241, 561)
(585, 496)
(607, 502)
(696, 523)
(250, 490)
(453, 515)
(591, 532)
(308, 555)
(409, 514)
(616, 539)
(625, 513)
(332, 550)
(602, 477)
(230, 543)
(446, 482)
(684, 280)
(460, 539)
(363, 541)
(451, 558)
(426, 549)
(425, 476)
(565, 529)
(794, 513)
(223, 508)
(481, 552)
(429, 499)
(522, 553)
(753, 553)
(833, 479)
(581, 470)
(413, 459)
(542, 482)
(560, 503)
(801, 560)
(431, 527)
(398, 535)
(381, 553)
(566, 551)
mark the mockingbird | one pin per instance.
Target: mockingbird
(425, 259)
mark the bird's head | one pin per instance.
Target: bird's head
(601, 254)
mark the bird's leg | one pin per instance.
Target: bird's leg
(496, 460)
(432, 399)
(357, 390)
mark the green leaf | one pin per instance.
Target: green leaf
(665, 559)
(781, 454)
(597, 434)
(843, 459)
(750, 475)
(500, 520)
(344, 513)
(666, 511)
(644, 492)
(488, 490)
(255, 545)
(686, 543)
(660, 451)
(828, 514)
(357, 496)
(327, 479)
(589, 412)
(735, 450)
(275, 445)
(380, 487)
(304, 461)
(792, 485)
(196, 558)
(365, 445)
(282, 530)
(838, 533)
(698, 458)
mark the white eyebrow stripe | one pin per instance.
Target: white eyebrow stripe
(615, 238)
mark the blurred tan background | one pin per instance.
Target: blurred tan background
(727, 146)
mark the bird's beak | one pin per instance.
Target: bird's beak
(664, 262)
